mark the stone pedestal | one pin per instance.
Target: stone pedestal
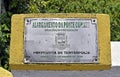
(25, 57)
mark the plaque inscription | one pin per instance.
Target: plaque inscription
(61, 40)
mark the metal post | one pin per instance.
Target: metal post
(3, 7)
(0, 10)
(0, 6)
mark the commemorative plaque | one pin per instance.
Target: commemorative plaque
(61, 40)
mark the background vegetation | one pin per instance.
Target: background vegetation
(111, 7)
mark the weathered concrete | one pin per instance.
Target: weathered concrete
(114, 72)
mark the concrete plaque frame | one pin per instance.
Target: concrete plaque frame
(17, 43)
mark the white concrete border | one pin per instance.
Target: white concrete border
(115, 52)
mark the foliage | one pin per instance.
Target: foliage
(4, 40)
(12, 7)
(111, 7)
